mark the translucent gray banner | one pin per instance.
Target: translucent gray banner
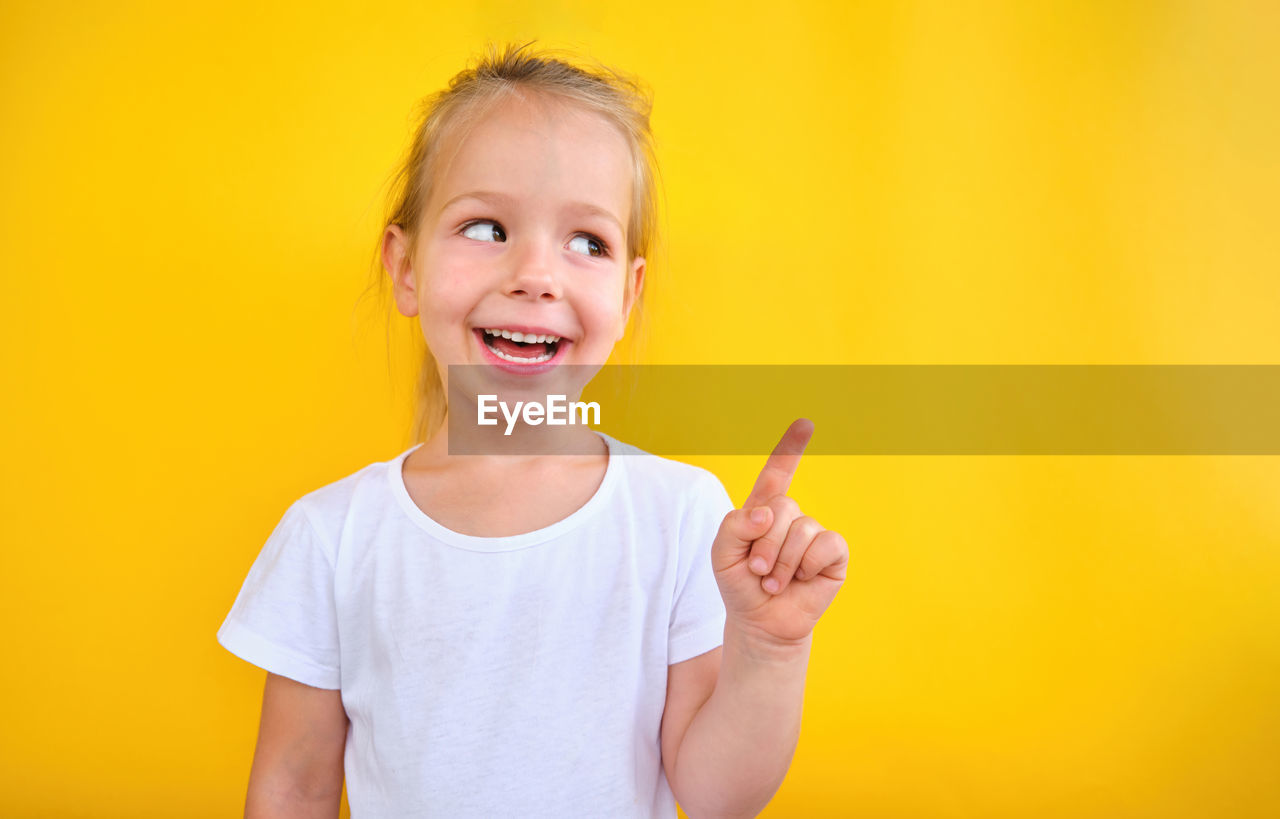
(873, 409)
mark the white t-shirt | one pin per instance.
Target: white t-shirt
(491, 677)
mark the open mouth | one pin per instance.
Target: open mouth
(520, 348)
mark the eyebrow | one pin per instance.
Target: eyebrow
(503, 199)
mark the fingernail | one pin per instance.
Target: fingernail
(759, 566)
(759, 514)
(800, 575)
(771, 584)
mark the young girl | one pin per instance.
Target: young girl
(535, 634)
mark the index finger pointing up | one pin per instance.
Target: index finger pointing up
(776, 476)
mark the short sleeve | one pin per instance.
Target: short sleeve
(697, 611)
(284, 618)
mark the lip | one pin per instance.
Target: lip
(522, 369)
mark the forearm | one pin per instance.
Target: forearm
(267, 803)
(736, 750)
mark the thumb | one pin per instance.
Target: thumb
(739, 529)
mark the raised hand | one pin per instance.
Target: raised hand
(778, 570)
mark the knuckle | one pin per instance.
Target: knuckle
(785, 507)
(836, 540)
(808, 527)
(835, 546)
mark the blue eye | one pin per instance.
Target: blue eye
(588, 245)
(485, 232)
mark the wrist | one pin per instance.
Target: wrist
(760, 645)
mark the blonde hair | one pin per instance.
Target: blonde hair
(498, 72)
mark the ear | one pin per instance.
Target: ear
(398, 264)
(632, 293)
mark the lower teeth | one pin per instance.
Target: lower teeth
(518, 360)
(547, 356)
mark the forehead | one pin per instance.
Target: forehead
(540, 151)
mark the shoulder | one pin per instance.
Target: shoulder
(327, 508)
(674, 484)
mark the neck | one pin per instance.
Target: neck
(460, 439)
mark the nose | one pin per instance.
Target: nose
(534, 275)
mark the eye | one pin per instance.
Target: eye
(485, 232)
(589, 245)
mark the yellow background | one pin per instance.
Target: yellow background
(189, 203)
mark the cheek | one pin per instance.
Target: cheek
(606, 309)
(442, 317)
(446, 290)
(617, 294)
(443, 269)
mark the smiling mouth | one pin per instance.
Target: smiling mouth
(519, 348)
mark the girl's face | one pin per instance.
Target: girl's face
(523, 237)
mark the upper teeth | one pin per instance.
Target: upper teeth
(528, 338)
